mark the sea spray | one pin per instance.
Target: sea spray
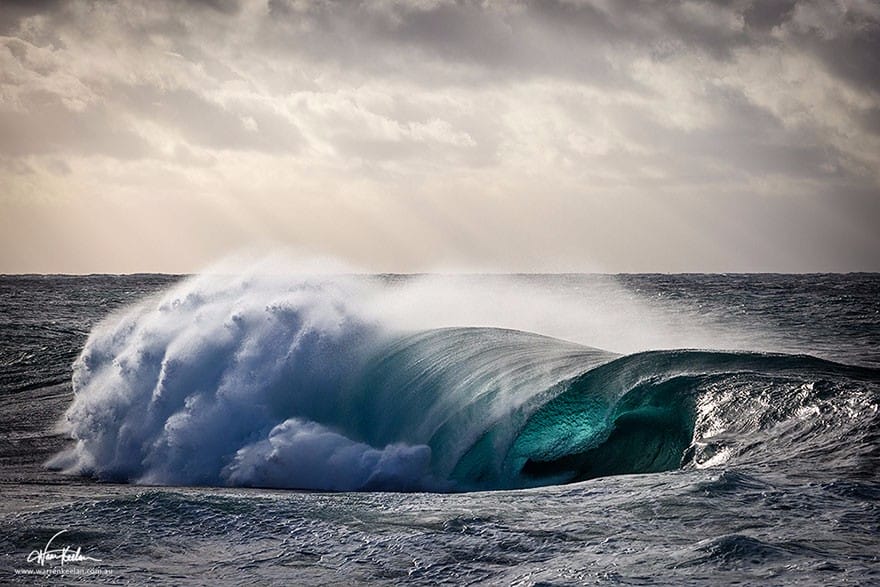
(168, 390)
(262, 378)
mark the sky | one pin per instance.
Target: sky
(441, 135)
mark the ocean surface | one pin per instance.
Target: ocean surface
(254, 426)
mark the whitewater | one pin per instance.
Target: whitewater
(259, 422)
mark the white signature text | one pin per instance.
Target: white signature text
(64, 554)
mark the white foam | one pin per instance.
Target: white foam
(169, 391)
(307, 455)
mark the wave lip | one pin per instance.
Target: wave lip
(466, 393)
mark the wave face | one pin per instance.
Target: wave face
(265, 382)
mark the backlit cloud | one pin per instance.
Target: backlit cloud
(416, 134)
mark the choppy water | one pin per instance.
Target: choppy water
(556, 430)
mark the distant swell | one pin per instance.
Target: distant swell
(262, 381)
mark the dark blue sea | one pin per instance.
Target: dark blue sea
(258, 426)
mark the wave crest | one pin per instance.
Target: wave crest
(272, 382)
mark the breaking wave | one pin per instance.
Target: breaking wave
(297, 383)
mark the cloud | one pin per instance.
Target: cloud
(844, 36)
(381, 106)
